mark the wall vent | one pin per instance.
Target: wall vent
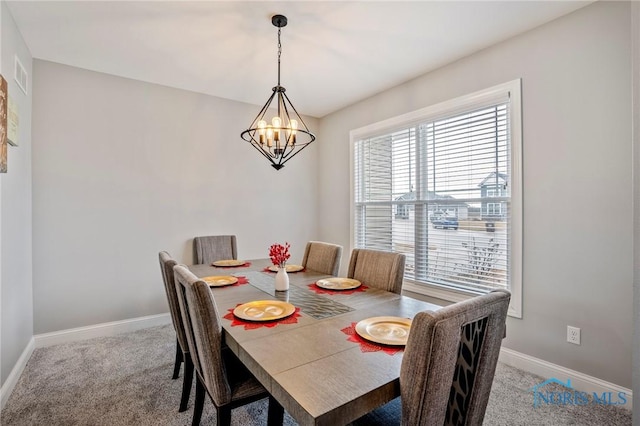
(20, 75)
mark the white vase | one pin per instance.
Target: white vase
(282, 279)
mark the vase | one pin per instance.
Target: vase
(282, 279)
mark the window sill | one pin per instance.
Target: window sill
(438, 292)
(448, 295)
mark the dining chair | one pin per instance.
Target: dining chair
(322, 257)
(215, 247)
(378, 269)
(448, 365)
(219, 373)
(450, 360)
(182, 348)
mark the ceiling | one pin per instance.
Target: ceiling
(333, 53)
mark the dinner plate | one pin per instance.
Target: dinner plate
(288, 268)
(264, 310)
(385, 330)
(229, 262)
(220, 280)
(336, 283)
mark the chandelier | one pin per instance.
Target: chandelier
(286, 134)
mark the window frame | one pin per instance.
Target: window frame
(442, 110)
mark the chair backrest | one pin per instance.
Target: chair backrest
(166, 267)
(214, 247)
(322, 257)
(450, 360)
(379, 269)
(204, 333)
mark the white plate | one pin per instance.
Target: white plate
(385, 330)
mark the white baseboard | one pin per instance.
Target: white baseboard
(16, 372)
(579, 381)
(100, 330)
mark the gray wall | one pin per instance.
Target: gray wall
(123, 169)
(578, 265)
(15, 212)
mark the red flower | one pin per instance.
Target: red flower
(279, 254)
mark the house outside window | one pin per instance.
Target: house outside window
(443, 186)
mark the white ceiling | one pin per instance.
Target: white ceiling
(333, 53)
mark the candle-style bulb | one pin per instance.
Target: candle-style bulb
(262, 125)
(269, 136)
(277, 123)
(293, 125)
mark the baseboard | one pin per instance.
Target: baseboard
(100, 330)
(16, 372)
(579, 381)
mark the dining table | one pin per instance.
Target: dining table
(313, 362)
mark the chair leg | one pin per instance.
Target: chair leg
(186, 384)
(199, 404)
(223, 416)
(276, 413)
(179, 359)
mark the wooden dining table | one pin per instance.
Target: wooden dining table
(313, 363)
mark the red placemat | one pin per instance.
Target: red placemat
(367, 346)
(250, 325)
(319, 290)
(244, 265)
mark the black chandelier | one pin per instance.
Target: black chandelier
(286, 134)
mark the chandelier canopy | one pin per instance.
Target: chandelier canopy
(285, 134)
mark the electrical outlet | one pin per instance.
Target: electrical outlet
(573, 335)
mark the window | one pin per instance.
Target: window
(494, 209)
(443, 186)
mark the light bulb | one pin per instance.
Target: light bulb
(269, 136)
(261, 130)
(293, 124)
(276, 122)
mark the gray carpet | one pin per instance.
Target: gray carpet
(126, 380)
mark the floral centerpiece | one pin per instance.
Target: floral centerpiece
(279, 254)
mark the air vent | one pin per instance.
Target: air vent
(20, 75)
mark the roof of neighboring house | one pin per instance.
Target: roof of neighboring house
(502, 179)
(431, 195)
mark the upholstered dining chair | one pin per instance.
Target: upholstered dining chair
(448, 365)
(215, 247)
(218, 372)
(450, 360)
(182, 348)
(322, 257)
(378, 269)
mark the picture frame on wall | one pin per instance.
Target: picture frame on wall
(4, 98)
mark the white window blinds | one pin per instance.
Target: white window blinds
(439, 190)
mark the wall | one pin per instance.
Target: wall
(577, 179)
(15, 211)
(124, 169)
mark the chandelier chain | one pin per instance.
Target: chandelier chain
(279, 54)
